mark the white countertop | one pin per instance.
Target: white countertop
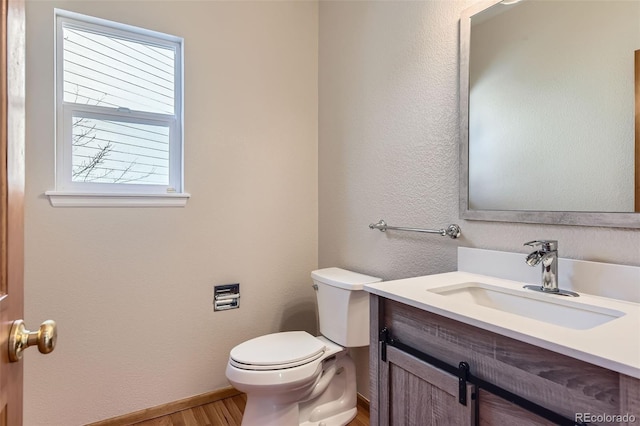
(614, 345)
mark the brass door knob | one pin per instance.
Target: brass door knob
(20, 338)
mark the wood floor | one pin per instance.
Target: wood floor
(226, 412)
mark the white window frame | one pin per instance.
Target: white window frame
(70, 193)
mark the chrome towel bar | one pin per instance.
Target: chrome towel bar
(452, 230)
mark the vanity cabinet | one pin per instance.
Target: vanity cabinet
(406, 390)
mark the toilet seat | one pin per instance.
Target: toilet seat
(277, 351)
(271, 379)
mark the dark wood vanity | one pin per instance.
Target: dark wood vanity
(406, 390)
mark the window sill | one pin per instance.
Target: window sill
(77, 199)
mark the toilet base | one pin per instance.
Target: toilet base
(335, 406)
(340, 419)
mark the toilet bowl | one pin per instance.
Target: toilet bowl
(294, 378)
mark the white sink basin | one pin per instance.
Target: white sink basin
(550, 308)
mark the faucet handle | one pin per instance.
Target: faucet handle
(546, 245)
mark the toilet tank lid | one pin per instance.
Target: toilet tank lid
(342, 278)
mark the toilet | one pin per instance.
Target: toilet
(293, 378)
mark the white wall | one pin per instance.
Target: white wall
(388, 148)
(131, 288)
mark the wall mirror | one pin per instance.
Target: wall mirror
(550, 107)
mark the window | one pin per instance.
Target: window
(118, 112)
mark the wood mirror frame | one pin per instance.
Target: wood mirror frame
(604, 219)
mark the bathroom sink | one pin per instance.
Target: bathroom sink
(594, 328)
(552, 309)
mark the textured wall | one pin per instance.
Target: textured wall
(388, 132)
(131, 288)
(388, 148)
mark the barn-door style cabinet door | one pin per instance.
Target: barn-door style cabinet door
(413, 392)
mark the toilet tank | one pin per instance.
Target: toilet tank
(343, 305)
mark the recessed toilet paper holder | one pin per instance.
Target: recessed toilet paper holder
(226, 297)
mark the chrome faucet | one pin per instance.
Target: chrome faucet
(547, 255)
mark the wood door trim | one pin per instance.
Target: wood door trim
(12, 179)
(3, 148)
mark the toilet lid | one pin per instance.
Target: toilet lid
(277, 351)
